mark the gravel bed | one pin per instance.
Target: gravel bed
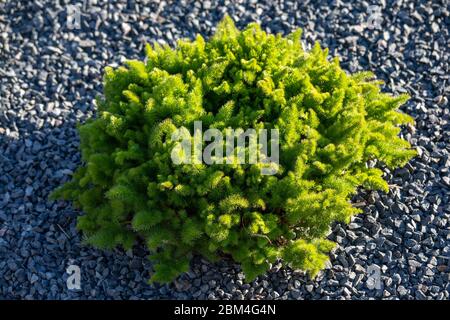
(50, 75)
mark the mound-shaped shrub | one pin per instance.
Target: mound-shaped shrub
(330, 124)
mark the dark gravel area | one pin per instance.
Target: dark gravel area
(50, 75)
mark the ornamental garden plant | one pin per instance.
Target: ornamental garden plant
(330, 124)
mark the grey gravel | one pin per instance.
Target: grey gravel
(50, 75)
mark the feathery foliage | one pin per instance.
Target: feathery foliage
(330, 125)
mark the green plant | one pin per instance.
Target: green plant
(331, 124)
